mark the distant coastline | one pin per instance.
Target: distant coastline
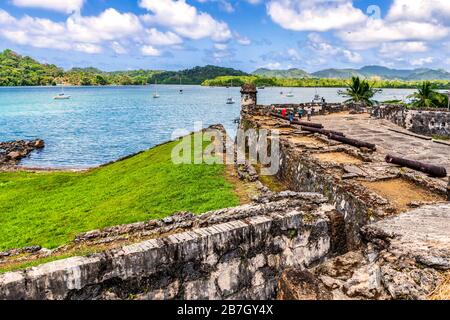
(23, 71)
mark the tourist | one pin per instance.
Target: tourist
(283, 112)
(300, 113)
(291, 116)
(309, 113)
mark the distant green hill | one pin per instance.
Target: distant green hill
(367, 72)
(196, 75)
(17, 70)
(385, 73)
(282, 74)
(336, 74)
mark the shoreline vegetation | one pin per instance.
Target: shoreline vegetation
(316, 83)
(20, 71)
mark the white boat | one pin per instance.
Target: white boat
(62, 95)
(230, 101)
(155, 94)
(317, 97)
(181, 89)
(289, 94)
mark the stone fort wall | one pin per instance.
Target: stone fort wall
(426, 122)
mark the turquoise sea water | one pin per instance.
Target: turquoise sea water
(101, 124)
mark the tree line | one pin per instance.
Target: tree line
(17, 70)
(316, 82)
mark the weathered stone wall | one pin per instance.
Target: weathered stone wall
(239, 259)
(425, 122)
(406, 257)
(301, 173)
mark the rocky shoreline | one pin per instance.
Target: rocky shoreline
(13, 151)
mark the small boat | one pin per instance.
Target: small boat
(155, 94)
(317, 97)
(289, 94)
(181, 90)
(62, 95)
(230, 101)
(262, 87)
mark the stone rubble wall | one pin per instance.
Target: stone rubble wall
(300, 172)
(426, 122)
(406, 257)
(238, 259)
(12, 152)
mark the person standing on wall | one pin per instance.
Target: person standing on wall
(300, 113)
(291, 116)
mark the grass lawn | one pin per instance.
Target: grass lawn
(49, 209)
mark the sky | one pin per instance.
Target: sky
(243, 34)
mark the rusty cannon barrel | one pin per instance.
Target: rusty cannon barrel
(322, 131)
(301, 123)
(276, 115)
(308, 124)
(432, 170)
(353, 142)
(448, 189)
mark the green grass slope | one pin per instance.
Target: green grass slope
(49, 209)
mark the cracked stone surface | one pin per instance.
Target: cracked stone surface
(379, 132)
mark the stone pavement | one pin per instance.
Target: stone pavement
(362, 127)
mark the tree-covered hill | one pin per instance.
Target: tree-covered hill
(16, 70)
(196, 75)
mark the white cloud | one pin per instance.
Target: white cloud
(421, 61)
(242, 40)
(150, 51)
(66, 6)
(272, 65)
(321, 49)
(395, 48)
(109, 25)
(118, 48)
(254, 1)
(185, 20)
(158, 38)
(376, 31)
(419, 10)
(221, 46)
(88, 34)
(293, 54)
(87, 48)
(314, 15)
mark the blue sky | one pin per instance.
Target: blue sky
(244, 34)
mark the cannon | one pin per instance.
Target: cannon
(432, 170)
(308, 124)
(353, 142)
(448, 190)
(301, 123)
(322, 131)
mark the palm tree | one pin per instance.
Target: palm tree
(427, 97)
(359, 91)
